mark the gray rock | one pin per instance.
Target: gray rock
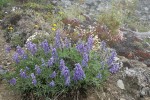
(1, 97)
(146, 8)
(145, 91)
(66, 3)
(122, 99)
(120, 84)
(2, 71)
(89, 1)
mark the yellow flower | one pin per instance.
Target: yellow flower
(54, 25)
(10, 28)
(60, 13)
(36, 26)
(53, 29)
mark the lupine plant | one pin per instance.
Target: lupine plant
(50, 69)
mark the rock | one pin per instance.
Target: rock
(2, 71)
(120, 84)
(146, 8)
(122, 99)
(66, 3)
(1, 97)
(145, 91)
(138, 78)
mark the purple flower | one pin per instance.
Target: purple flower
(20, 51)
(114, 68)
(33, 76)
(78, 73)
(16, 58)
(12, 81)
(1, 67)
(37, 69)
(52, 84)
(25, 56)
(23, 73)
(99, 76)
(102, 65)
(85, 60)
(31, 47)
(57, 40)
(50, 62)
(27, 68)
(80, 47)
(65, 72)
(90, 43)
(67, 43)
(62, 64)
(45, 46)
(34, 81)
(43, 62)
(53, 75)
(7, 48)
(103, 45)
(67, 81)
(110, 60)
(54, 53)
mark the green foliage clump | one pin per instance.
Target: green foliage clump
(50, 71)
(73, 12)
(4, 3)
(33, 5)
(38, 6)
(16, 40)
(112, 18)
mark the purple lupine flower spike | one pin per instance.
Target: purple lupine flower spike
(32, 76)
(62, 64)
(20, 51)
(111, 59)
(67, 43)
(53, 75)
(34, 81)
(45, 46)
(90, 43)
(85, 60)
(80, 47)
(114, 68)
(57, 40)
(67, 81)
(65, 72)
(16, 58)
(52, 84)
(31, 47)
(13, 81)
(23, 73)
(78, 73)
(37, 69)
(50, 62)
(43, 62)
(103, 46)
(27, 68)
(99, 76)
(7, 48)
(54, 54)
